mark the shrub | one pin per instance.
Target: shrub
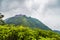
(12, 32)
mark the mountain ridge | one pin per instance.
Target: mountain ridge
(26, 21)
(57, 31)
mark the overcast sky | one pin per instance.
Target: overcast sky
(47, 11)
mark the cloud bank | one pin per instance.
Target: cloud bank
(47, 11)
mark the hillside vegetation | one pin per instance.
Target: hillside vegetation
(26, 21)
(11, 32)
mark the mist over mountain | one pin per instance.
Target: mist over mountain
(26, 21)
(48, 11)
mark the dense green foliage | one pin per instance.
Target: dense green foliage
(11, 32)
(26, 21)
(2, 22)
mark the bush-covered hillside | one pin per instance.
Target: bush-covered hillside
(11, 32)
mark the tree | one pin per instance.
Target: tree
(1, 21)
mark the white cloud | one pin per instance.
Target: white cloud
(44, 10)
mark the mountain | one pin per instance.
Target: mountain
(26, 21)
(57, 31)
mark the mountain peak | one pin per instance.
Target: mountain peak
(26, 21)
(20, 15)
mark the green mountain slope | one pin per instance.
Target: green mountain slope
(26, 21)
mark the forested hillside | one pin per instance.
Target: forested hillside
(26, 21)
(11, 32)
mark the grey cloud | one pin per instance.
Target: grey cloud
(35, 7)
(55, 4)
(50, 12)
(7, 5)
(53, 8)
